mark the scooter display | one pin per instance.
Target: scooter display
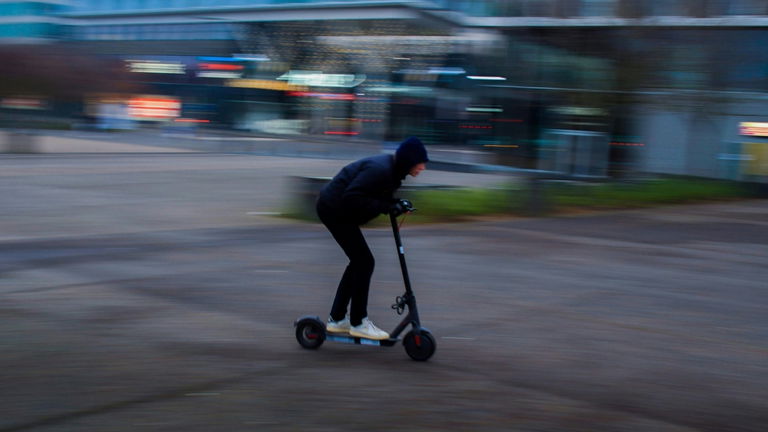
(419, 343)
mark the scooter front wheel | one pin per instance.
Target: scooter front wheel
(310, 332)
(419, 347)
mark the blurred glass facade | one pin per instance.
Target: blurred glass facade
(585, 87)
(128, 5)
(209, 31)
(487, 8)
(605, 8)
(25, 21)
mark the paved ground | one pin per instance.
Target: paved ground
(152, 292)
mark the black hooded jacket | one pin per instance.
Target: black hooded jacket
(364, 189)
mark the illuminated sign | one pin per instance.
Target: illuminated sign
(580, 111)
(753, 129)
(220, 70)
(156, 67)
(484, 109)
(219, 74)
(236, 58)
(221, 66)
(263, 84)
(319, 79)
(156, 108)
(326, 96)
(486, 78)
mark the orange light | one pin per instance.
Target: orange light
(265, 84)
(186, 120)
(154, 108)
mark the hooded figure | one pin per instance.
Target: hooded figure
(361, 191)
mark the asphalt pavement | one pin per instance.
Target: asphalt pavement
(157, 291)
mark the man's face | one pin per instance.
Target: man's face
(418, 169)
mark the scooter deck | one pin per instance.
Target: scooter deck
(345, 338)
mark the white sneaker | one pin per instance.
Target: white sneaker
(367, 330)
(337, 326)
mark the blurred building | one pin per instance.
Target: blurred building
(31, 21)
(311, 67)
(585, 87)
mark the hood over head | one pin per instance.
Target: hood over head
(410, 153)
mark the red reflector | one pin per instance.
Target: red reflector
(417, 339)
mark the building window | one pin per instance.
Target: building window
(599, 8)
(747, 7)
(539, 8)
(667, 8)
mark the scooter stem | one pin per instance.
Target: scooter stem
(400, 253)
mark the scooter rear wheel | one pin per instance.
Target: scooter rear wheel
(419, 347)
(310, 333)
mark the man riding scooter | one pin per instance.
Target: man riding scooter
(361, 191)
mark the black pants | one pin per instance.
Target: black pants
(356, 281)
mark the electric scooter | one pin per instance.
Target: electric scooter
(418, 342)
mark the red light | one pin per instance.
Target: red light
(221, 67)
(324, 96)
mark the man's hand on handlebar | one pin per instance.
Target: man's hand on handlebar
(401, 206)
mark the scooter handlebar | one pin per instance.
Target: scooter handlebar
(400, 207)
(407, 205)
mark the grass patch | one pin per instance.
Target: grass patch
(564, 196)
(460, 203)
(557, 197)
